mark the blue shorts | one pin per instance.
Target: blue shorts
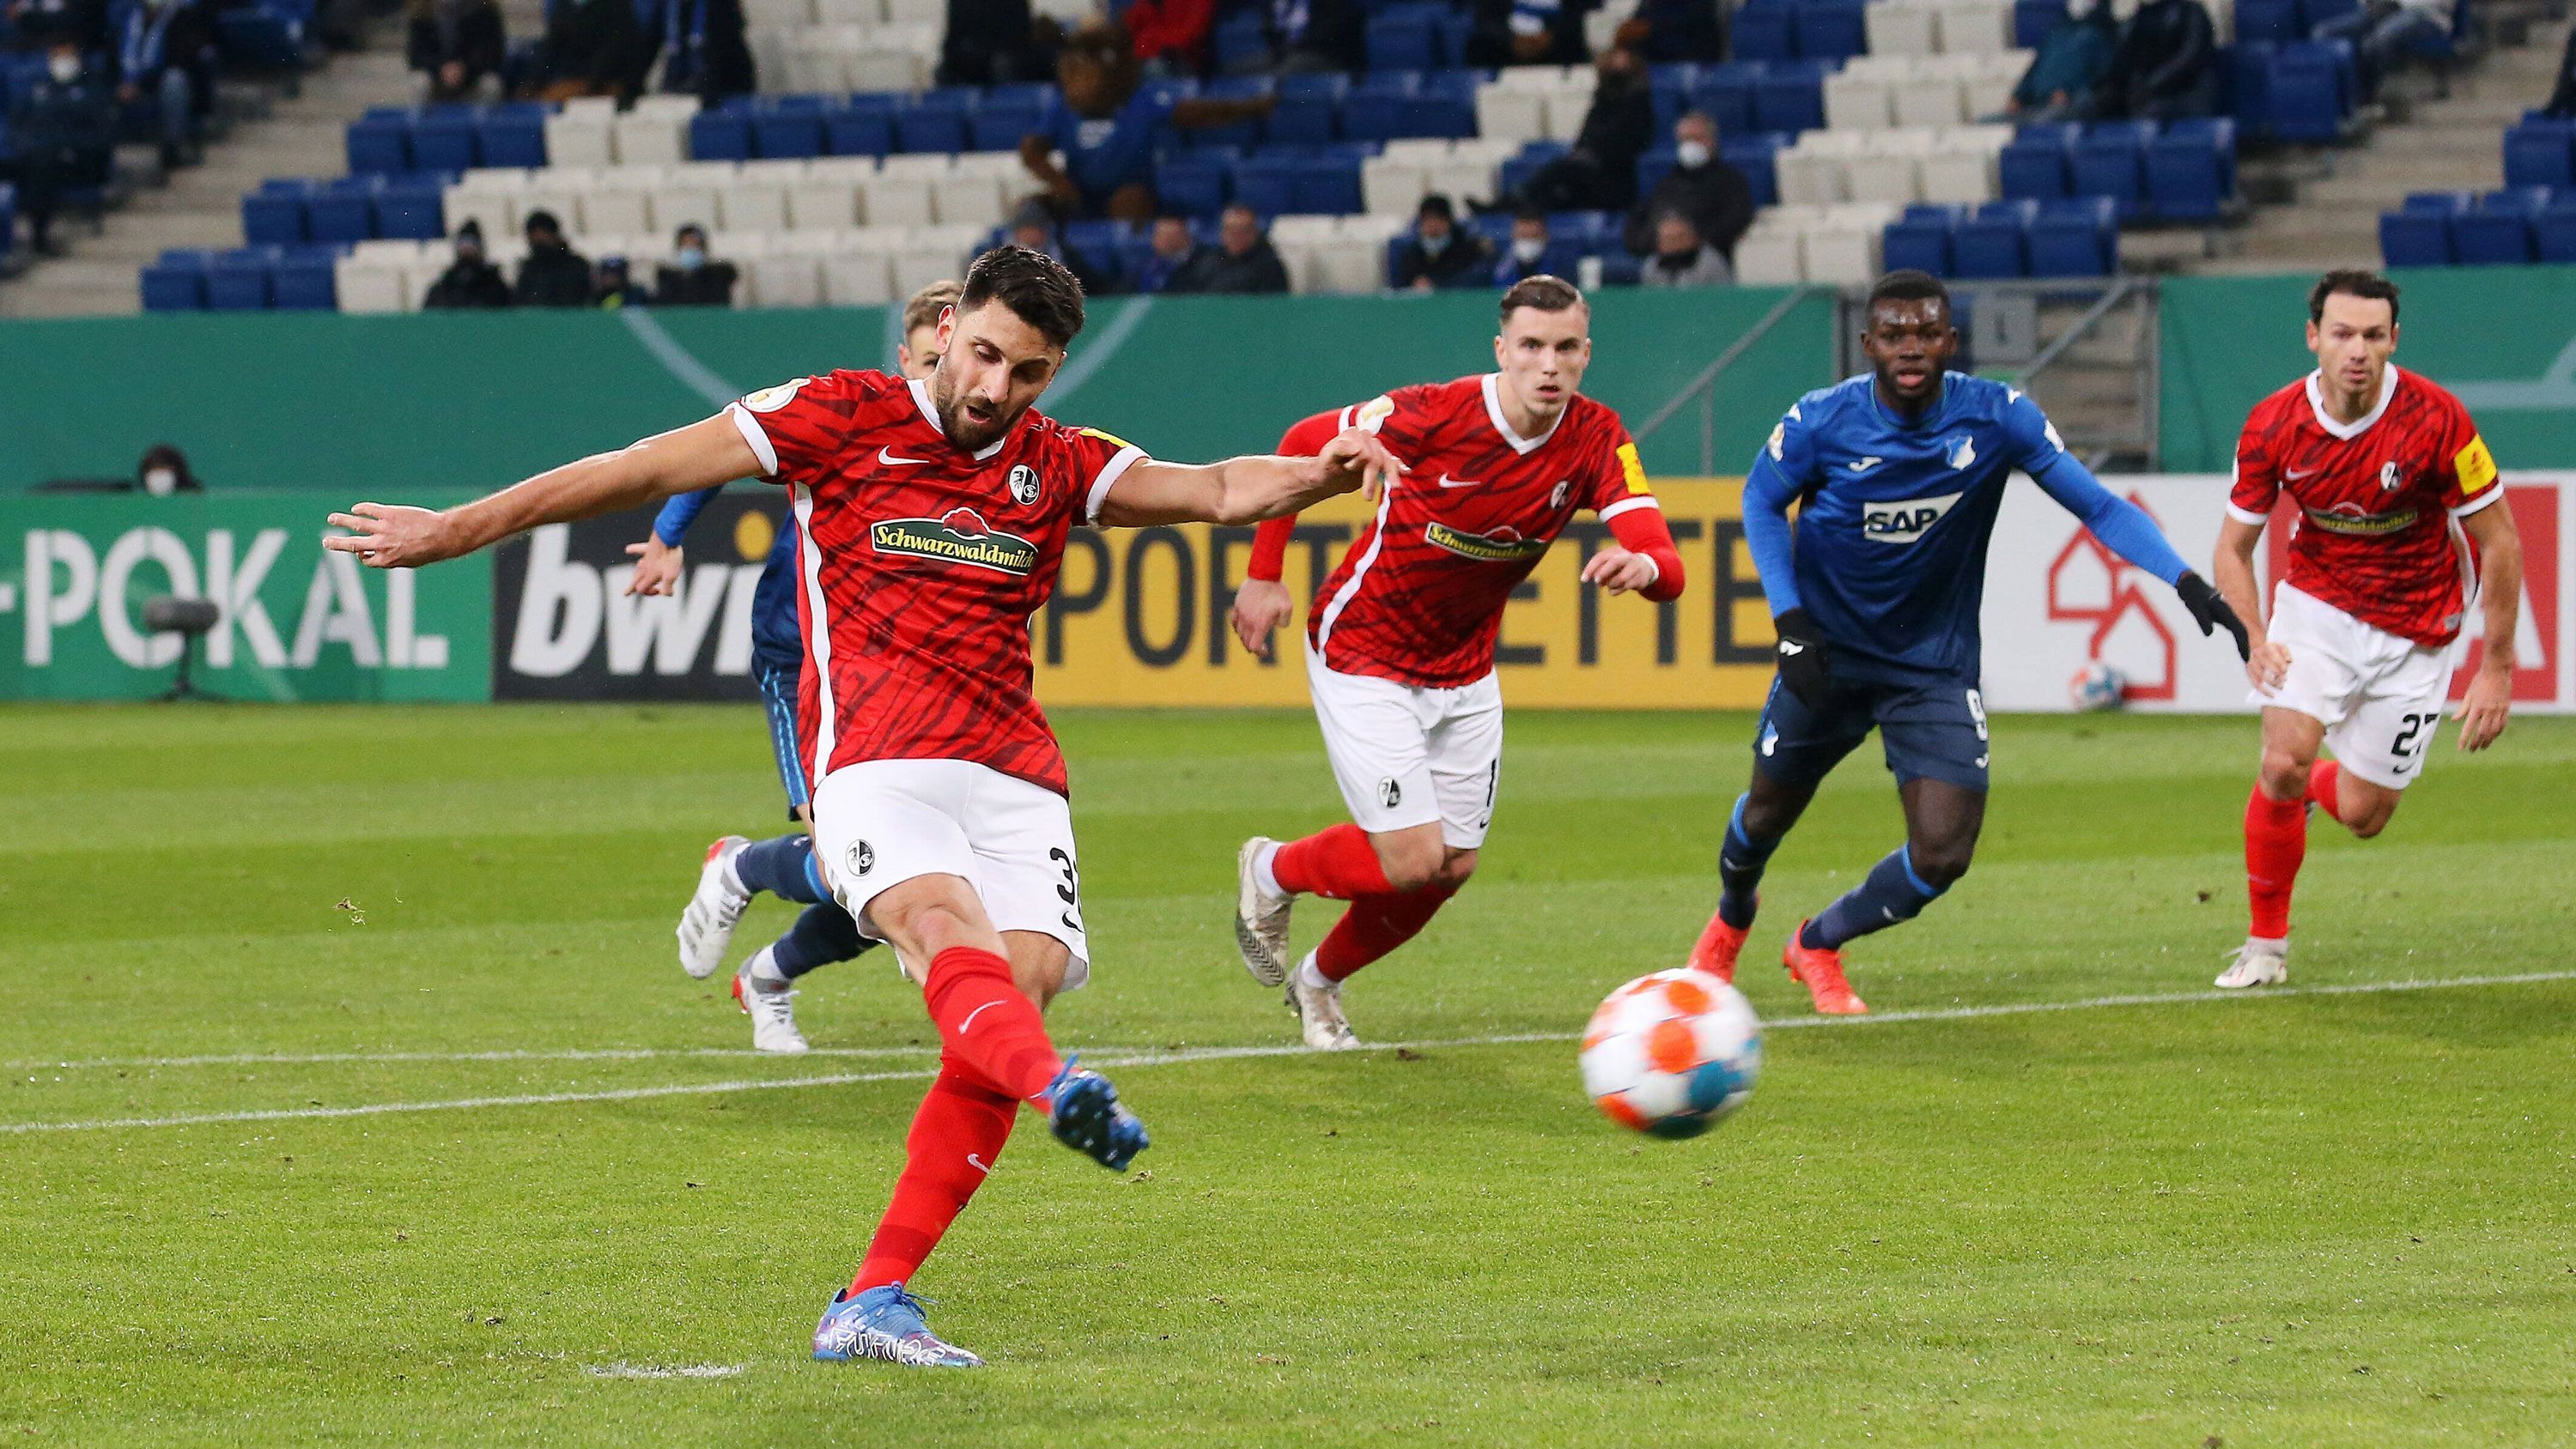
(778, 697)
(1929, 731)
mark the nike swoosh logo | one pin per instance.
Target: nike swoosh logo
(2295, 474)
(886, 458)
(1725, 864)
(1888, 911)
(1864, 465)
(1448, 482)
(1981, 762)
(1791, 646)
(968, 1024)
(1769, 740)
(979, 1164)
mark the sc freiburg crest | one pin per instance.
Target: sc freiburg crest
(1024, 485)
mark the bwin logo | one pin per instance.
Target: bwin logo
(1904, 520)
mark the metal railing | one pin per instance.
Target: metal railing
(1703, 388)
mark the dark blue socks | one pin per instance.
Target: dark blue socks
(822, 935)
(784, 867)
(1740, 863)
(1892, 892)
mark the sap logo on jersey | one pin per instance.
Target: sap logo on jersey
(1904, 520)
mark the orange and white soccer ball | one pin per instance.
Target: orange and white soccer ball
(1672, 1053)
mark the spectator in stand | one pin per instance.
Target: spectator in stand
(1172, 248)
(2165, 66)
(64, 130)
(1242, 261)
(1600, 172)
(471, 281)
(166, 51)
(1527, 32)
(1701, 186)
(454, 45)
(1108, 130)
(2382, 31)
(708, 53)
(591, 48)
(997, 42)
(1439, 254)
(1033, 226)
(1682, 258)
(1526, 255)
(1666, 31)
(2067, 67)
(611, 287)
(1169, 38)
(2562, 96)
(42, 23)
(164, 471)
(691, 278)
(1308, 36)
(554, 275)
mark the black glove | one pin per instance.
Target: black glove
(1802, 657)
(2210, 611)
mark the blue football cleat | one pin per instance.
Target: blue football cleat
(1087, 1118)
(884, 1323)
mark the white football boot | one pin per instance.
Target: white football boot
(2258, 963)
(1319, 1013)
(1260, 917)
(706, 927)
(772, 1013)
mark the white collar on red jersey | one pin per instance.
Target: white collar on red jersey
(2349, 431)
(1494, 414)
(921, 399)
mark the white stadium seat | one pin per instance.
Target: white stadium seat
(858, 279)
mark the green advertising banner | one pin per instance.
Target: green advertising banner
(2503, 338)
(295, 621)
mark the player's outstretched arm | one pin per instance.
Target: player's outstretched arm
(701, 455)
(2127, 530)
(2490, 698)
(658, 559)
(1248, 490)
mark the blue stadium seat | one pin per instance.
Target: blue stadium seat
(2312, 90)
(934, 122)
(1920, 239)
(1618, 269)
(788, 128)
(1309, 111)
(1671, 84)
(1375, 109)
(2111, 161)
(2078, 237)
(2274, 20)
(239, 280)
(1240, 38)
(2313, 13)
(2033, 19)
(1000, 126)
(1764, 31)
(343, 211)
(274, 215)
(302, 281)
(260, 39)
(1266, 182)
(856, 130)
(410, 207)
(1757, 156)
(720, 135)
(1326, 182)
(2191, 170)
(1515, 173)
(447, 138)
(1830, 29)
(1727, 93)
(1192, 183)
(1443, 105)
(2553, 228)
(1791, 97)
(2038, 163)
(2415, 238)
(177, 282)
(2540, 151)
(2497, 231)
(1994, 242)
(380, 141)
(1406, 37)
(1652, 163)
(2249, 86)
(1244, 134)
(514, 134)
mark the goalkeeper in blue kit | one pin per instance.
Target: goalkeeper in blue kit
(1875, 593)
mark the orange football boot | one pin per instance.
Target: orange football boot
(1717, 949)
(1822, 973)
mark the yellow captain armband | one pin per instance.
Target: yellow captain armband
(1112, 439)
(2475, 465)
(1631, 469)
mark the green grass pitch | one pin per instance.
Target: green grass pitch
(2340, 1215)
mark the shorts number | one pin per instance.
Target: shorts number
(1069, 890)
(2414, 737)
(1977, 712)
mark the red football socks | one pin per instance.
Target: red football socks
(955, 1138)
(989, 1027)
(1339, 863)
(2322, 778)
(2276, 840)
(1375, 925)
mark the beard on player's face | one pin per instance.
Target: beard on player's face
(988, 377)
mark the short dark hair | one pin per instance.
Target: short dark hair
(1036, 287)
(1908, 285)
(2352, 282)
(1437, 205)
(1543, 292)
(544, 219)
(1530, 213)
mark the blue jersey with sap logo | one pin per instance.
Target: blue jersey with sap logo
(1888, 557)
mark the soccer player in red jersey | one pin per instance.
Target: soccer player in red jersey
(1400, 639)
(934, 517)
(2388, 472)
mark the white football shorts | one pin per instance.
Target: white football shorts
(879, 823)
(2379, 695)
(1407, 756)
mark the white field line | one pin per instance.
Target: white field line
(624, 1370)
(1238, 1053)
(569, 1054)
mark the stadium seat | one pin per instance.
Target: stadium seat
(1829, 29)
(856, 129)
(239, 280)
(934, 122)
(1192, 183)
(303, 280)
(2078, 237)
(1727, 93)
(2110, 161)
(1764, 30)
(1756, 156)
(343, 211)
(2276, 21)
(380, 141)
(788, 128)
(2553, 230)
(720, 135)
(1993, 243)
(447, 138)
(177, 282)
(2032, 20)
(2249, 86)
(1309, 110)
(1406, 37)
(1920, 239)
(2415, 238)
(2191, 170)
(512, 135)
(2312, 90)
(274, 215)
(1790, 97)
(2497, 231)
(2540, 151)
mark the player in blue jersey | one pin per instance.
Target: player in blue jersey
(736, 869)
(1897, 475)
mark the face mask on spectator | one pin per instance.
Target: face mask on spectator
(1434, 245)
(1691, 154)
(691, 258)
(64, 69)
(1527, 249)
(160, 482)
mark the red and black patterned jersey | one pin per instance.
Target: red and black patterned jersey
(2376, 499)
(1419, 598)
(920, 566)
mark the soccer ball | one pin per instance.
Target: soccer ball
(2096, 687)
(1672, 1053)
